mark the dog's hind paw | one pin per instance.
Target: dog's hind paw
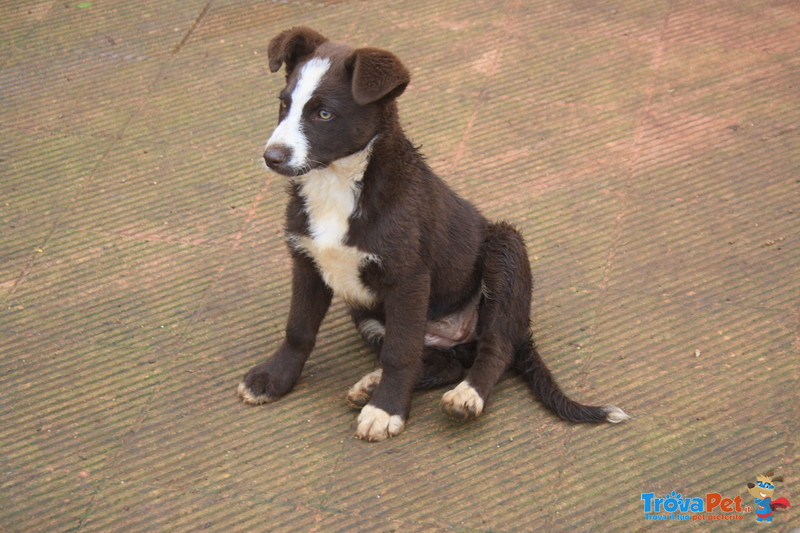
(359, 394)
(375, 424)
(462, 402)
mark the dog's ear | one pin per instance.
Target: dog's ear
(292, 45)
(376, 74)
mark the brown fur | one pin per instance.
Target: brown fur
(437, 255)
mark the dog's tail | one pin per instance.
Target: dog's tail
(538, 377)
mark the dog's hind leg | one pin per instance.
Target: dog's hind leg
(440, 368)
(505, 339)
(503, 319)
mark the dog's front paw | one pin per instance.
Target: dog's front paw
(258, 386)
(375, 424)
(248, 395)
(462, 402)
(359, 394)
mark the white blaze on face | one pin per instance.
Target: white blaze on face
(290, 132)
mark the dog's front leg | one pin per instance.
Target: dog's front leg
(310, 301)
(406, 307)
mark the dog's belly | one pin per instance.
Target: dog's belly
(340, 267)
(445, 332)
(454, 329)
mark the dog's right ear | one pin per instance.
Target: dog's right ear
(292, 45)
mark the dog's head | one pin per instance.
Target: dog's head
(334, 101)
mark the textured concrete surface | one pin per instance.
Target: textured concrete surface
(649, 151)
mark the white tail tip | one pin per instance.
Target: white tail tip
(615, 415)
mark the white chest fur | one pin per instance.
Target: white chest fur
(331, 197)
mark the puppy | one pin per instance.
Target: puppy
(431, 285)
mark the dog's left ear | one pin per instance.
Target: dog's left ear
(377, 74)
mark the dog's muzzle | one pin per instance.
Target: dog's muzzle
(277, 157)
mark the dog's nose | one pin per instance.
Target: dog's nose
(276, 156)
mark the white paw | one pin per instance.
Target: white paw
(359, 394)
(462, 402)
(252, 398)
(375, 424)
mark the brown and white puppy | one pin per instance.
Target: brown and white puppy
(432, 285)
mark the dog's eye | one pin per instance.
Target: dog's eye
(324, 114)
(283, 104)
